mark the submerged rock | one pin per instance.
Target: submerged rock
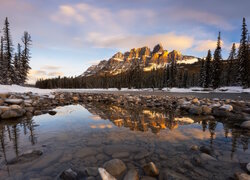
(115, 167)
(13, 101)
(150, 169)
(26, 157)
(68, 174)
(105, 175)
(245, 124)
(132, 174)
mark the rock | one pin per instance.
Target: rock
(196, 110)
(248, 167)
(226, 107)
(105, 175)
(220, 113)
(141, 155)
(207, 157)
(115, 167)
(37, 112)
(209, 117)
(1, 102)
(68, 174)
(206, 110)
(132, 174)
(14, 112)
(195, 101)
(4, 95)
(194, 148)
(52, 113)
(13, 101)
(26, 157)
(242, 176)
(120, 155)
(91, 171)
(206, 150)
(150, 169)
(245, 124)
(75, 98)
(147, 178)
(4, 108)
(168, 174)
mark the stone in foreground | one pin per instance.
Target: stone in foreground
(150, 169)
(115, 167)
(132, 174)
(105, 175)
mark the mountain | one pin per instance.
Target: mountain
(144, 57)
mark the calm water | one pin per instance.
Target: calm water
(88, 135)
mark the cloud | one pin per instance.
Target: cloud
(50, 67)
(168, 40)
(34, 75)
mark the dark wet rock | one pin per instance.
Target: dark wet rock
(120, 155)
(220, 113)
(26, 157)
(207, 157)
(105, 175)
(52, 113)
(148, 178)
(194, 148)
(196, 110)
(14, 112)
(209, 117)
(245, 124)
(68, 174)
(167, 174)
(91, 171)
(248, 167)
(206, 150)
(141, 155)
(241, 176)
(132, 174)
(150, 169)
(13, 101)
(115, 167)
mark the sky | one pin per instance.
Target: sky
(70, 36)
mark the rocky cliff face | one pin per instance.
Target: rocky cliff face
(122, 62)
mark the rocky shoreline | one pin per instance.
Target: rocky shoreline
(19, 105)
(16, 105)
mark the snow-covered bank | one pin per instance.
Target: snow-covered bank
(21, 89)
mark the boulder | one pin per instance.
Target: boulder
(195, 101)
(132, 174)
(14, 112)
(91, 171)
(245, 124)
(1, 102)
(13, 101)
(115, 167)
(206, 150)
(150, 169)
(52, 113)
(105, 175)
(4, 108)
(242, 176)
(4, 95)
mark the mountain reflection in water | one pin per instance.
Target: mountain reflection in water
(71, 122)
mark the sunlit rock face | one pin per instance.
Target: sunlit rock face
(143, 57)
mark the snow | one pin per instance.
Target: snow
(21, 89)
(187, 61)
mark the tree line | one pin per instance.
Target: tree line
(14, 66)
(211, 72)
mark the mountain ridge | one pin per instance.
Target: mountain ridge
(144, 57)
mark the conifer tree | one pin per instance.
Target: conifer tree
(202, 74)
(207, 81)
(231, 66)
(8, 50)
(1, 62)
(25, 57)
(185, 79)
(243, 78)
(217, 64)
